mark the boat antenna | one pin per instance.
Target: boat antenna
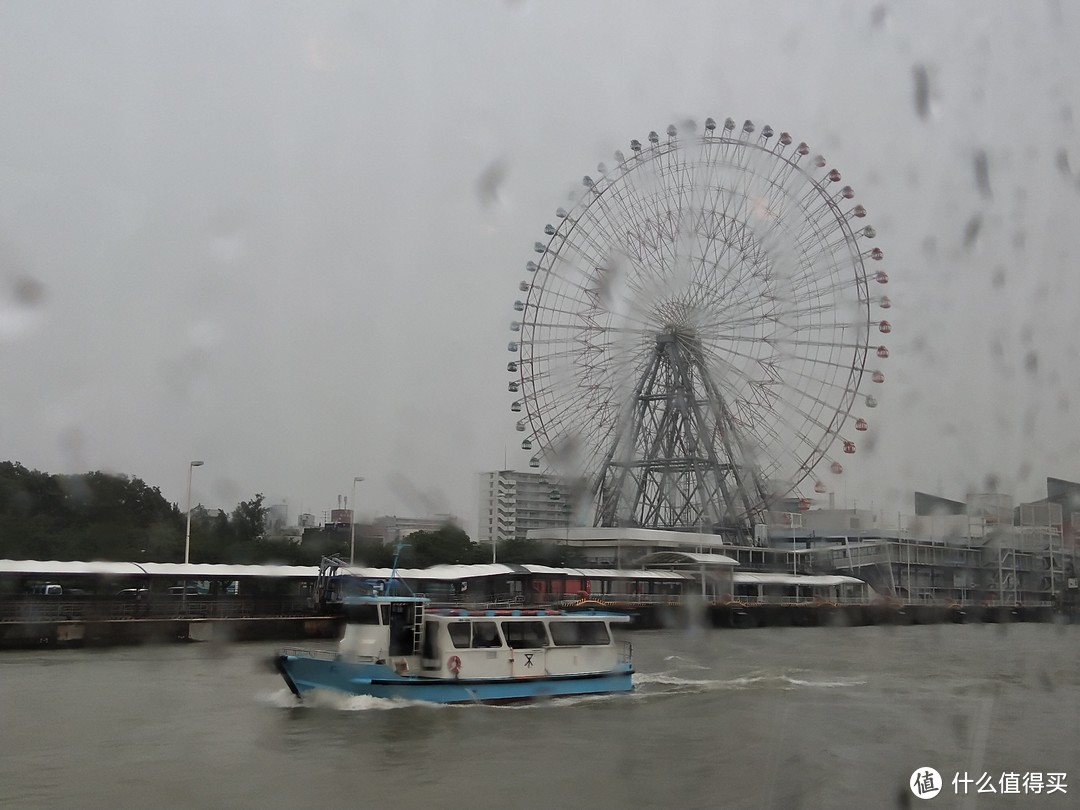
(393, 570)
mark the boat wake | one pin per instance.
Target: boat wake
(320, 699)
(669, 683)
(688, 663)
(326, 699)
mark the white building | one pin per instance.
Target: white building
(625, 547)
(513, 503)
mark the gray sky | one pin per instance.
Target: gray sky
(256, 233)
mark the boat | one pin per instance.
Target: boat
(404, 647)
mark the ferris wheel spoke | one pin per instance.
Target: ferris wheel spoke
(768, 433)
(765, 393)
(796, 432)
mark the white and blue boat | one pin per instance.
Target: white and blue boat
(402, 647)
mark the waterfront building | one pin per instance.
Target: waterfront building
(511, 504)
(624, 547)
(983, 550)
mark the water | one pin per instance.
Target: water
(768, 718)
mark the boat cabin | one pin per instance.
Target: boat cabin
(382, 627)
(453, 642)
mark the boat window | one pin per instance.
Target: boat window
(524, 635)
(459, 634)
(362, 614)
(570, 633)
(485, 634)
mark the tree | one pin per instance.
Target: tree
(448, 545)
(94, 515)
(249, 520)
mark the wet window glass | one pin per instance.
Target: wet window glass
(362, 614)
(524, 634)
(485, 634)
(460, 635)
(570, 633)
(400, 285)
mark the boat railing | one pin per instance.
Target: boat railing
(327, 655)
(508, 603)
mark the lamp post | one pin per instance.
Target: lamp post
(187, 535)
(352, 521)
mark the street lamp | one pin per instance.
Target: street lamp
(352, 521)
(187, 534)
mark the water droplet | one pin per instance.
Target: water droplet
(971, 231)
(922, 91)
(489, 181)
(982, 174)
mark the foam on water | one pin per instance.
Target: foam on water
(686, 662)
(762, 680)
(645, 684)
(338, 701)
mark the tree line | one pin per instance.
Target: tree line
(106, 516)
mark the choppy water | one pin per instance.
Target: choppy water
(768, 718)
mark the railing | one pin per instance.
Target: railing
(631, 598)
(810, 601)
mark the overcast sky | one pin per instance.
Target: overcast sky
(285, 238)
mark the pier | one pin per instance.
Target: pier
(76, 623)
(54, 604)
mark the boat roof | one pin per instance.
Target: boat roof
(179, 570)
(436, 573)
(453, 573)
(794, 579)
(527, 613)
(366, 600)
(213, 571)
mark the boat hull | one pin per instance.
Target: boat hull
(304, 674)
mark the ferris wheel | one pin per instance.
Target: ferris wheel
(691, 337)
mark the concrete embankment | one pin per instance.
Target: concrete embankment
(107, 632)
(744, 616)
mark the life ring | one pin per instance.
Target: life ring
(453, 663)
